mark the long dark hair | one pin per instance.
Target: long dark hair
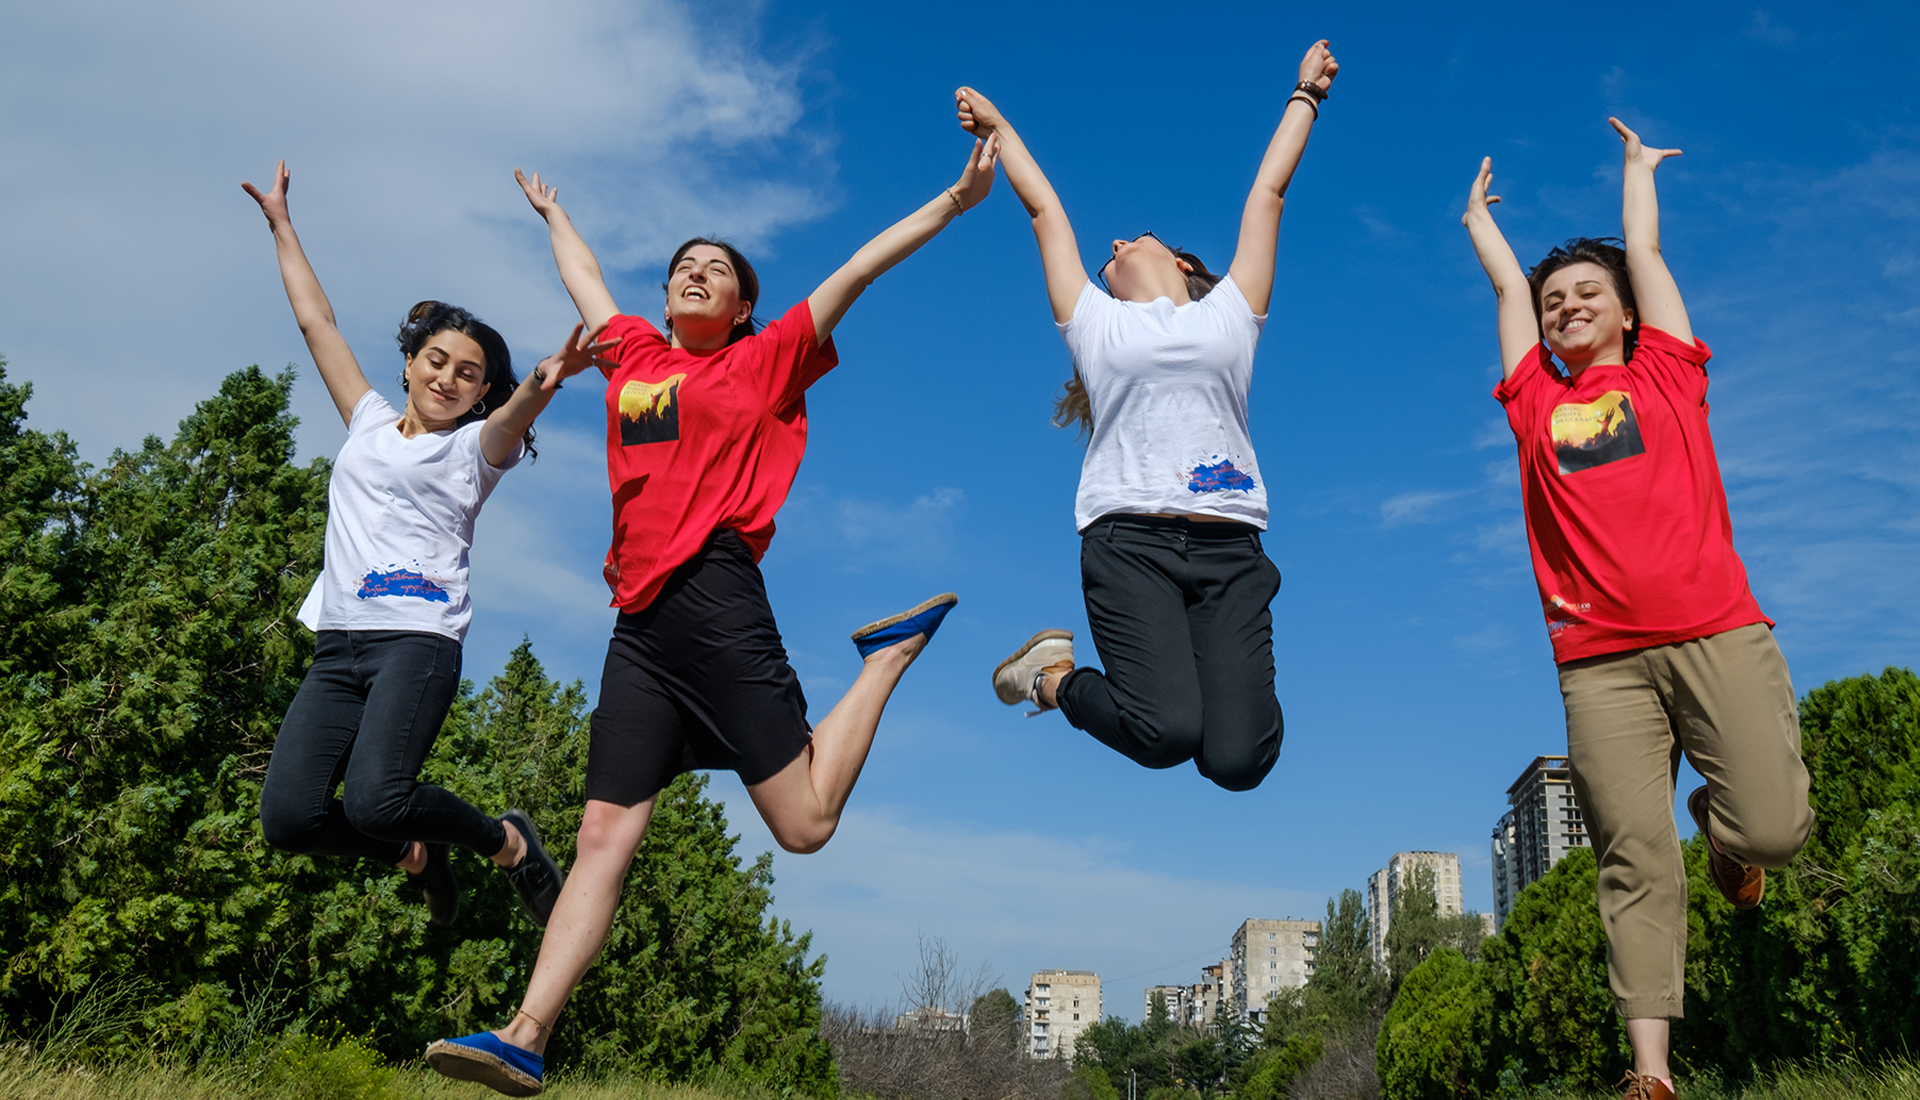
(427, 318)
(743, 273)
(1072, 409)
(1610, 254)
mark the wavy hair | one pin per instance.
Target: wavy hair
(428, 318)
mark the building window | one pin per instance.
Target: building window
(1076, 1017)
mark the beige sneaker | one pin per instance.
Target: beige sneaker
(1016, 677)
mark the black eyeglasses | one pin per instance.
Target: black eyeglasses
(1102, 273)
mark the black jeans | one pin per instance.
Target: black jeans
(367, 713)
(1180, 619)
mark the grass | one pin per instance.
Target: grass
(1894, 1080)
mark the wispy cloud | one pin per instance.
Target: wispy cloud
(1764, 28)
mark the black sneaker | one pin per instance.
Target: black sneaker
(436, 881)
(536, 878)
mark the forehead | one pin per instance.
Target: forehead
(1572, 275)
(457, 345)
(705, 254)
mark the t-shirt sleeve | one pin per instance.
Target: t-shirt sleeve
(634, 334)
(1675, 366)
(370, 412)
(1235, 307)
(475, 456)
(786, 358)
(1517, 393)
(1082, 330)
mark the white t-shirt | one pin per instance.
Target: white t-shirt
(1168, 385)
(399, 522)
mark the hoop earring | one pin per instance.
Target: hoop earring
(479, 408)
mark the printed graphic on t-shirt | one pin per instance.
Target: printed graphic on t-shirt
(1594, 434)
(1218, 476)
(400, 582)
(650, 411)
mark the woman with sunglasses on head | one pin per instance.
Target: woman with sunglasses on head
(391, 605)
(1171, 502)
(1661, 647)
(706, 426)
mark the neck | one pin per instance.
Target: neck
(1605, 357)
(698, 338)
(412, 423)
(1152, 288)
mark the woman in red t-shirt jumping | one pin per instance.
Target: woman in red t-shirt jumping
(706, 426)
(1662, 649)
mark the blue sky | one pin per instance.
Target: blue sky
(1413, 665)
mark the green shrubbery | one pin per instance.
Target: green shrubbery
(147, 652)
(1825, 972)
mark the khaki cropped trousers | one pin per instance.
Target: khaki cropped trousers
(1726, 702)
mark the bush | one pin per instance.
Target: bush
(1434, 1041)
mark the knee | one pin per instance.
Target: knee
(807, 838)
(381, 816)
(1771, 843)
(1238, 773)
(1169, 740)
(283, 829)
(609, 830)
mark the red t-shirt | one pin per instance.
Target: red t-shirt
(697, 442)
(1626, 517)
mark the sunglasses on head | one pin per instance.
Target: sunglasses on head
(1102, 273)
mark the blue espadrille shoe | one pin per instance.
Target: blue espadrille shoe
(489, 1060)
(921, 618)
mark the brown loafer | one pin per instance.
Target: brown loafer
(1741, 885)
(1643, 1086)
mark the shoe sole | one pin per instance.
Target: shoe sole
(924, 605)
(1697, 809)
(1043, 636)
(467, 1064)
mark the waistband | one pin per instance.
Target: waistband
(1192, 528)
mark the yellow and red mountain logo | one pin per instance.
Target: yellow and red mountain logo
(1596, 433)
(650, 411)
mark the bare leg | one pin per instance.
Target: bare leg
(802, 803)
(609, 836)
(1649, 1039)
(509, 855)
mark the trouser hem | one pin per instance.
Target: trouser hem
(1650, 1010)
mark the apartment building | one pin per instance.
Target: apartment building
(1174, 999)
(1267, 957)
(1203, 1002)
(1384, 887)
(1060, 1004)
(1543, 824)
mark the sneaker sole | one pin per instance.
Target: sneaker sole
(1043, 636)
(924, 605)
(467, 1064)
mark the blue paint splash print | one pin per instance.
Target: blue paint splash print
(1219, 477)
(401, 582)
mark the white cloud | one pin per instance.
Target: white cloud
(1424, 506)
(139, 273)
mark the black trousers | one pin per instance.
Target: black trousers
(1180, 619)
(367, 714)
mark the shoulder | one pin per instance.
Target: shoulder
(1092, 304)
(1655, 342)
(636, 335)
(371, 411)
(1526, 378)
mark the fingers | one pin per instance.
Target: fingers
(254, 191)
(1620, 128)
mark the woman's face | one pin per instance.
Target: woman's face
(1581, 315)
(703, 295)
(1143, 269)
(446, 376)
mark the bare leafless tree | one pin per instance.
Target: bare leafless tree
(936, 1048)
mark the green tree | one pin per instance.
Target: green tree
(995, 1018)
(146, 657)
(1433, 1045)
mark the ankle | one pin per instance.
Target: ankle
(415, 861)
(513, 849)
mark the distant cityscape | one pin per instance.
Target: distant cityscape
(1542, 824)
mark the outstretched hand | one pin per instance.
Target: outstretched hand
(274, 203)
(1637, 151)
(576, 355)
(1477, 198)
(978, 115)
(977, 179)
(1318, 67)
(545, 199)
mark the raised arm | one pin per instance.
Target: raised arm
(1519, 325)
(1253, 257)
(579, 271)
(346, 383)
(1655, 293)
(501, 434)
(829, 302)
(1059, 252)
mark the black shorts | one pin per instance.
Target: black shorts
(698, 679)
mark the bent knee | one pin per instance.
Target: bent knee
(381, 819)
(285, 831)
(1770, 844)
(1237, 775)
(804, 840)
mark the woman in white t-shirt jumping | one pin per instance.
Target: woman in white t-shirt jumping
(391, 607)
(1172, 501)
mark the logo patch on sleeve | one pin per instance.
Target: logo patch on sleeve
(650, 411)
(1594, 434)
